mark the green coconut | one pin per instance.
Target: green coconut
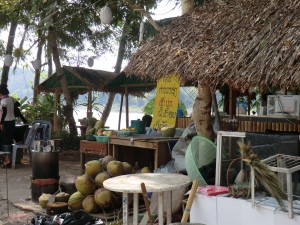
(92, 168)
(43, 200)
(168, 131)
(115, 168)
(62, 197)
(146, 169)
(75, 201)
(91, 131)
(89, 205)
(100, 178)
(127, 168)
(85, 184)
(103, 197)
(105, 160)
(99, 125)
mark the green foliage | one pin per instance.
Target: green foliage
(183, 108)
(42, 109)
(149, 107)
(94, 103)
(69, 141)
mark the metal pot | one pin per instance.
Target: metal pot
(45, 165)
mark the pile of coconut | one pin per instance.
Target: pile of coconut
(91, 196)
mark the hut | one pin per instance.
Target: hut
(240, 43)
(80, 80)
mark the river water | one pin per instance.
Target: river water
(113, 119)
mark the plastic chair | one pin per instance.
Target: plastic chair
(29, 139)
(47, 126)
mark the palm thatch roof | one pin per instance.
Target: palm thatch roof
(242, 43)
(133, 84)
(79, 79)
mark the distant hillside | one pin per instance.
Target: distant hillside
(20, 82)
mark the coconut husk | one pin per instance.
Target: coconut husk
(263, 173)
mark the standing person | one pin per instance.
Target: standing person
(7, 122)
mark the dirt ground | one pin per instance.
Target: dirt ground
(18, 188)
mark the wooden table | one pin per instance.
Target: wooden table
(130, 148)
(162, 183)
(92, 147)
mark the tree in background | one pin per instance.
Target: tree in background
(72, 24)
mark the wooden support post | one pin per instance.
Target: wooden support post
(127, 109)
(120, 112)
(89, 106)
(55, 120)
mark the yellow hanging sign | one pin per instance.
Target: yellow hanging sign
(166, 102)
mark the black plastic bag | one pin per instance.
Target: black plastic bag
(42, 220)
(79, 217)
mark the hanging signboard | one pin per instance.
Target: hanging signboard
(166, 102)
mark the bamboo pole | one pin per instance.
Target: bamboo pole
(273, 126)
(277, 126)
(286, 127)
(258, 128)
(281, 125)
(290, 127)
(189, 203)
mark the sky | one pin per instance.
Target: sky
(23, 81)
(165, 10)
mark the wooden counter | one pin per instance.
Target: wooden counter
(146, 151)
(92, 147)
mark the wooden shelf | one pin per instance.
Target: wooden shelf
(92, 147)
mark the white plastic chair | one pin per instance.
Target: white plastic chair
(29, 139)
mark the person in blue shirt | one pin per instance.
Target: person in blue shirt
(179, 112)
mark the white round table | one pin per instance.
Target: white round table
(162, 183)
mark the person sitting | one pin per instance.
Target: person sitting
(147, 119)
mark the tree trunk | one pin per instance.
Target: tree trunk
(63, 82)
(9, 50)
(202, 113)
(118, 66)
(202, 106)
(21, 45)
(49, 59)
(38, 71)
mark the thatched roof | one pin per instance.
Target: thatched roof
(79, 79)
(244, 43)
(135, 85)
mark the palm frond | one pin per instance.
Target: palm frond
(263, 173)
